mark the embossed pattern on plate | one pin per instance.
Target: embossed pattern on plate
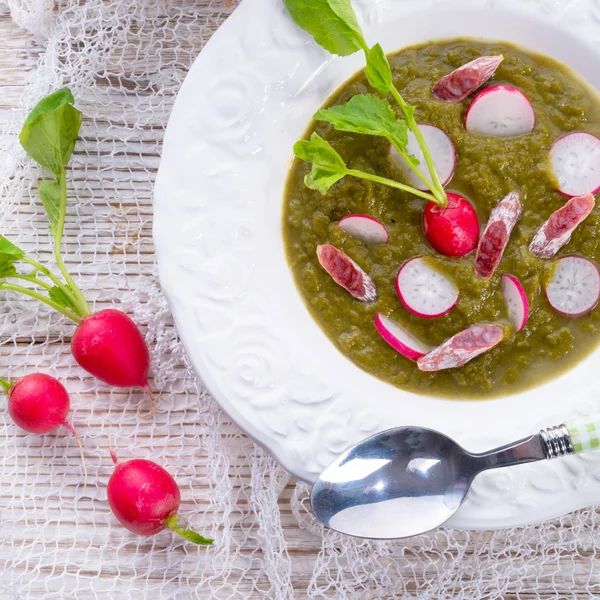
(218, 200)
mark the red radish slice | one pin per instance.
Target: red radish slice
(575, 286)
(365, 228)
(557, 230)
(462, 82)
(453, 230)
(500, 111)
(399, 338)
(346, 273)
(516, 300)
(462, 347)
(575, 160)
(442, 152)
(424, 291)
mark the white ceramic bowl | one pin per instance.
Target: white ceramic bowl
(218, 202)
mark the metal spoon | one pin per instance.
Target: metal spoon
(409, 480)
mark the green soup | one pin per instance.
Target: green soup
(487, 170)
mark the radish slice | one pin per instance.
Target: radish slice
(442, 152)
(500, 111)
(365, 228)
(575, 160)
(424, 291)
(575, 287)
(399, 338)
(346, 273)
(516, 300)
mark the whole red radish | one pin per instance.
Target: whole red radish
(38, 403)
(454, 229)
(109, 346)
(145, 499)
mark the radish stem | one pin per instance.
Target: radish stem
(437, 189)
(66, 289)
(31, 279)
(153, 400)
(78, 440)
(111, 451)
(392, 183)
(80, 302)
(415, 170)
(6, 384)
(186, 533)
(22, 290)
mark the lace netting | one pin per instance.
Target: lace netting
(124, 62)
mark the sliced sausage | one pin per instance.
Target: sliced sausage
(557, 230)
(456, 86)
(463, 347)
(495, 236)
(346, 273)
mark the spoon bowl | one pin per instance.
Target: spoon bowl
(397, 483)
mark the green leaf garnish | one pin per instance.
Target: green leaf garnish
(370, 115)
(50, 194)
(378, 71)
(332, 23)
(328, 167)
(50, 131)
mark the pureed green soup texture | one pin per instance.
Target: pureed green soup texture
(487, 170)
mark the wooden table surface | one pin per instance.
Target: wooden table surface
(123, 242)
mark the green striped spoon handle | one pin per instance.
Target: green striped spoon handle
(576, 436)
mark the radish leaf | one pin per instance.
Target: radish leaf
(58, 295)
(8, 251)
(328, 166)
(50, 194)
(378, 71)
(9, 254)
(49, 135)
(343, 9)
(50, 131)
(318, 151)
(7, 269)
(332, 23)
(370, 115)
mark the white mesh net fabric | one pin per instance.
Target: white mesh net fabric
(124, 62)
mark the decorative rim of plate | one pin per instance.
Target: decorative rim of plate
(217, 229)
